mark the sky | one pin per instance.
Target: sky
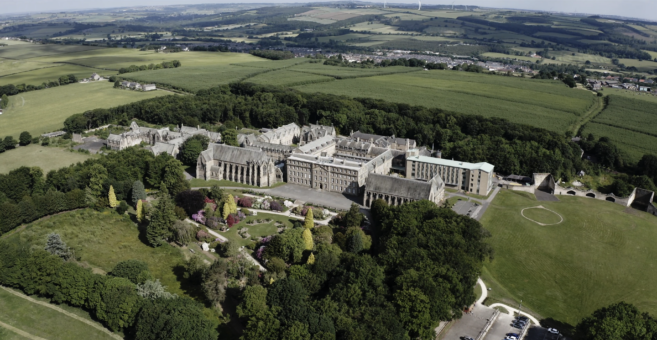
(645, 9)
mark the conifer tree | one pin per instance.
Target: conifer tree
(56, 246)
(226, 210)
(113, 203)
(163, 219)
(140, 211)
(138, 192)
(311, 259)
(309, 222)
(232, 206)
(308, 239)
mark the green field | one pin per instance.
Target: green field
(107, 241)
(11, 66)
(568, 270)
(45, 110)
(546, 104)
(193, 79)
(630, 122)
(51, 72)
(350, 72)
(41, 321)
(47, 158)
(287, 78)
(28, 51)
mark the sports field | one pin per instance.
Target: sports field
(45, 110)
(40, 321)
(47, 158)
(565, 271)
(547, 104)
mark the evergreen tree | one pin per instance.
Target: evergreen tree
(226, 210)
(113, 203)
(355, 243)
(162, 220)
(309, 222)
(216, 193)
(97, 175)
(311, 259)
(308, 239)
(56, 246)
(138, 192)
(140, 211)
(4, 102)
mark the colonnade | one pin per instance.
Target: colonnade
(391, 200)
(250, 174)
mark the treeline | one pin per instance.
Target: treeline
(273, 54)
(135, 68)
(26, 195)
(114, 300)
(342, 284)
(218, 48)
(369, 63)
(513, 148)
(11, 89)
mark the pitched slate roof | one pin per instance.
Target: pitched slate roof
(233, 154)
(397, 186)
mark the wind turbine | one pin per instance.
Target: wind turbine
(384, 4)
(453, 5)
(419, 5)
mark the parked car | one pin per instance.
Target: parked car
(510, 338)
(553, 330)
(513, 334)
(521, 317)
(466, 338)
(517, 325)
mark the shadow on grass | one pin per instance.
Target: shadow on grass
(192, 288)
(563, 328)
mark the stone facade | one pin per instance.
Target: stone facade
(398, 190)
(476, 178)
(335, 174)
(284, 135)
(388, 142)
(313, 132)
(161, 140)
(241, 165)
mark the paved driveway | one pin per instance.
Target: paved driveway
(93, 144)
(470, 324)
(325, 198)
(540, 333)
(501, 327)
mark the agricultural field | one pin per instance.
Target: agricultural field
(630, 122)
(287, 78)
(11, 66)
(508, 56)
(45, 110)
(546, 104)
(40, 321)
(643, 65)
(28, 51)
(192, 79)
(350, 72)
(553, 271)
(46, 158)
(46, 74)
(106, 242)
(273, 64)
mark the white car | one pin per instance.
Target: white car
(553, 330)
(510, 338)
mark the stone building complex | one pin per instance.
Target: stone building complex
(397, 190)
(241, 165)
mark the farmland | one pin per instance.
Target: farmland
(45, 110)
(557, 275)
(630, 123)
(546, 104)
(287, 78)
(28, 51)
(50, 72)
(192, 79)
(349, 72)
(47, 158)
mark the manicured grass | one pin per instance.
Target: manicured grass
(42, 321)
(477, 291)
(568, 270)
(263, 229)
(547, 104)
(542, 216)
(224, 183)
(45, 110)
(102, 240)
(46, 158)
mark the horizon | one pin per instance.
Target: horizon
(640, 9)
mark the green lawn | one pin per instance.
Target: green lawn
(45, 110)
(263, 229)
(102, 240)
(542, 103)
(42, 321)
(47, 158)
(566, 271)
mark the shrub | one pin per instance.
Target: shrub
(202, 236)
(276, 265)
(180, 213)
(212, 222)
(245, 211)
(245, 202)
(122, 208)
(133, 270)
(229, 249)
(275, 206)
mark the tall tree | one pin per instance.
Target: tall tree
(56, 246)
(309, 221)
(215, 282)
(97, 176)
(229, 137)
(4, 102)
(140, 211)
(113, 203)
(162, 220)
(25, 138)
(308, 239)
(181, 318)
(138, 192)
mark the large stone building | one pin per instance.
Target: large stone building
(241, 165)
(335, 174)
(476, 178)
(161, 140)
(313, 132)
(388, 142)
(398, 190)
(284, 135)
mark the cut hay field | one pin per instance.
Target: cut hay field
(47, 73)
(630, 122)
(46, 158)
(107, 241)
(568, 270)
(40, 321)
(45, 110)
(546, 104)
(192, 79)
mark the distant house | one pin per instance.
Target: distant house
(95, 76)
(650, 81)
(0, 111)
(644, 89)
(149, 87)
(186, 49)
(131, 85)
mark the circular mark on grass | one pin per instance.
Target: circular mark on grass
(541, 215)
